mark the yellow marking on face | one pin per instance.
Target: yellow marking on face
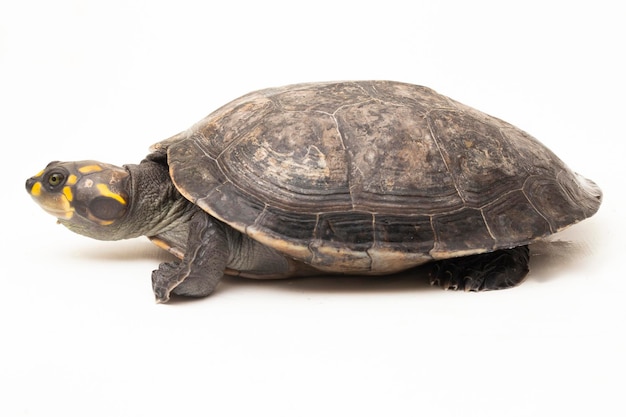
(71, 180)
(67, 192)
(105, 191)
(40, 173)
(89, 168)
(36, 190)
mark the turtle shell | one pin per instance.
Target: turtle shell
(374, 176)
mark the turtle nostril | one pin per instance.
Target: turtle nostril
(29, 184)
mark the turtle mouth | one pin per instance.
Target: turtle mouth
(59, 214)
(59, 209)
(55, 204)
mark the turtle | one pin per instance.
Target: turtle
(327, 178)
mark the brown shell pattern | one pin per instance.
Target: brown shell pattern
(374, 176)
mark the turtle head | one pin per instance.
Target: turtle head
(88, 197)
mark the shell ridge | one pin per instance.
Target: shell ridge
(500, 197)
(482, 212)
(349, 162)
(363, 89)
(534, 206)
(198, 142)
(435, 236)
(436, 140)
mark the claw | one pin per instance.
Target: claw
(161, 296)
(164, 280)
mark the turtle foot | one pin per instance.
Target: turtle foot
(164, 280)
(487, 271)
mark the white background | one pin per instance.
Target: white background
(80, 332)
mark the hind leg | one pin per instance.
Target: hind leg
(487, 271)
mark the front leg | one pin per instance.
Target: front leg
(203, 265)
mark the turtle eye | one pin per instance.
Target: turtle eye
(56, 179)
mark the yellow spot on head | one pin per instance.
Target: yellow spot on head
(40, 173)
(71, 180)
(36, 190)
(106, 192)
(67, 191)
(89, 168)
